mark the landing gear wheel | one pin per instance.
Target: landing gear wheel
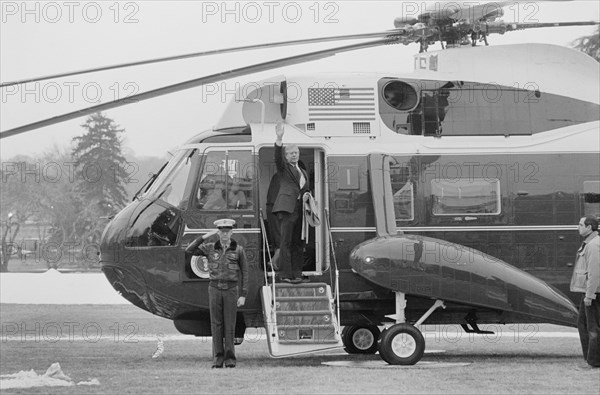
(401, 344)
(360, 339)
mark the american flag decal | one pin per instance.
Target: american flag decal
(341, 104)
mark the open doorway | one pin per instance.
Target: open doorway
(312, 160)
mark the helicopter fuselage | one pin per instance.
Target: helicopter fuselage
(457, 191)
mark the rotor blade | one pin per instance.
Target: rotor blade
(296, 59)
(534, 25)
(503, 27)
(204, 53)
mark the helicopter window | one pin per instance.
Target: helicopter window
(591, 198)
(179, 193)
(475, 109)
(172, 184)
(228, 138)
(466, 196)
(173, 189)
(400, 95)
(434, 105)
(227, 181)
(165, 174)
(402, 192)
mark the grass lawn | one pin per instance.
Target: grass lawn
(121, 360)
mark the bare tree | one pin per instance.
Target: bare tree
(21, 201)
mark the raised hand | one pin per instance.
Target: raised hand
(212, 232)
(279, 130)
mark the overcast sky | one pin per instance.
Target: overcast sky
(41, 38)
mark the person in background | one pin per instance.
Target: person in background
(237, 197)
(586, 280)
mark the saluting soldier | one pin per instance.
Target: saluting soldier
(227, 265)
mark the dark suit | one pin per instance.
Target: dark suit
(288, 208)
(274, 231)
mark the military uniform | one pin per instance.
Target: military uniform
(226, 268)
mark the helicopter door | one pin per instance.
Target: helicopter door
(313, 161)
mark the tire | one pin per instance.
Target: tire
(401, 344)
(359, 339)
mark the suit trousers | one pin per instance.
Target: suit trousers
(223, 312)
(274, 231)
(588, 324)
(291, 258)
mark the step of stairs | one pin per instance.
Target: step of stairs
(307, 334)
(301, 319)
(301, 304)
(304, 289)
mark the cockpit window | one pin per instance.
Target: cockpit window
(227, 181)
(172, 185)
(164, 174)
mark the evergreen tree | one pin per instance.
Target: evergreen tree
(100, 169)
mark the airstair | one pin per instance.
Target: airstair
(299, 318)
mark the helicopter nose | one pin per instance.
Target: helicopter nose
(119, 263)
(129, 283)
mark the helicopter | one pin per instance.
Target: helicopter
(444, 198)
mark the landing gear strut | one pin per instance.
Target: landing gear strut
(402, 343)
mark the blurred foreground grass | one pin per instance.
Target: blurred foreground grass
(121, 359)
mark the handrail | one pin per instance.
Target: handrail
(266, 244)
(268, 251)
(337, 272)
